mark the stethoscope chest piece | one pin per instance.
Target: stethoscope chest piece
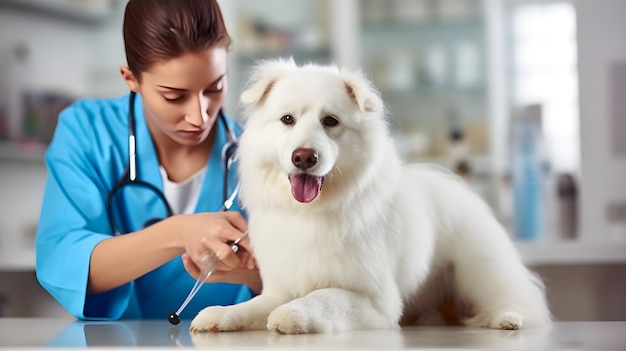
(173, 318)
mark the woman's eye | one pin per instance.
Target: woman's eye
(287, 119)
(215, 90)
(330, 121)
(173, 99)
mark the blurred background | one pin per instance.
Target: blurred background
(524, 99)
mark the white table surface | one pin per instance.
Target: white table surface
(39, 333)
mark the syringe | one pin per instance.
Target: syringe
(210, 261)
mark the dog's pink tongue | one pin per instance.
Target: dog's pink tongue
(305, 187)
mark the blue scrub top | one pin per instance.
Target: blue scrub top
(87, 156)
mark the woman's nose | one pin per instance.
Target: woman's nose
(197, 111)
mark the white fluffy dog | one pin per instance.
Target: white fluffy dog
(348, 237)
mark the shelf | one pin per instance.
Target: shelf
(300, 55)
(22, 151)
(473, 25)
(480, 163)
(22, 260)
(573, 253)
(421, 92)
(86, 10)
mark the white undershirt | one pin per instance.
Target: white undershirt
(183, 196)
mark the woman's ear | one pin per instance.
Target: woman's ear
(129, 78)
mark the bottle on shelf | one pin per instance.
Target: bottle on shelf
(567, 193)
(458, 148)
(528, 180)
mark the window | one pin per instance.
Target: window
(544, 72)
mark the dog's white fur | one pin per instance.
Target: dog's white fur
(382, 240)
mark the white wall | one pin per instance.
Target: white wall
(601, 43)
(65, 54)
(21, 186)
(58, 50)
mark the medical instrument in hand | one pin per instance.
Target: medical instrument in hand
(210, 261)
(130, 178)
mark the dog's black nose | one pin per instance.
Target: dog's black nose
(304, 158)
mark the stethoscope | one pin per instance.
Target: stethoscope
(130, 178)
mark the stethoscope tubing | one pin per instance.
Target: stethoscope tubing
(130, 175)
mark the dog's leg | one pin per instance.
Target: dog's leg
(249, 315)
(329, 310)
(490, 275)
(504, 301)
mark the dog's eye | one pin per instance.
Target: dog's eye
(287, 119)
(330, 121)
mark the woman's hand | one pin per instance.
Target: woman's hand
(204, 233)
(247, 273)
(211, 232)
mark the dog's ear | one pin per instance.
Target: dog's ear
(263, 76)
(362, 92)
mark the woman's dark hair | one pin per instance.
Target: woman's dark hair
(158, 30)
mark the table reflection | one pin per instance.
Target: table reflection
(160, 333)
(123, 333)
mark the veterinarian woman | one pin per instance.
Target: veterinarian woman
(135, 182)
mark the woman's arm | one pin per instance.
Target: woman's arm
(121, 259)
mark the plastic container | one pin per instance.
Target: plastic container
(568, 206)
(528, 181)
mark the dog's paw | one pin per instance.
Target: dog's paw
(507, 321)
(293, 319)
(207, 320)
(217, 319)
